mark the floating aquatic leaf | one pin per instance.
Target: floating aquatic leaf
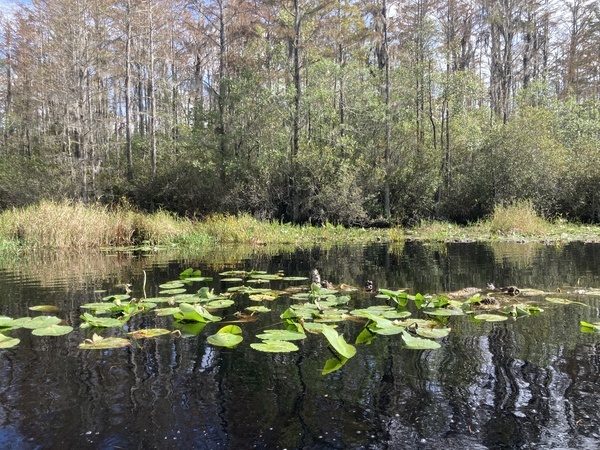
(338, 342)
(387, 331)
(171, 285)
(273, 346)
(41, 322)
(117, 297)
(564, 301)
(235, 273)
(173, 291)
(266, 276)
(281, 335)
(228, 336)
(433, 333)
(8, 342)
(294, 278)
(258, 281)
(396, 314)
(99, 291)
(53, 330)
(167, 311)
(417, 323)
(219, 304)
(333, 364)
(100, 343)
(7, 323)
(314, 327)
(198, 279)
(100, 322)
(44, 308)
(260, 309)
(400, 297)
(187, 273)
(194, 313)
(232, 280)
(148, 333)
(415, 343)
(97, 306)
(262, 297)
(444, 312)
(491, 317)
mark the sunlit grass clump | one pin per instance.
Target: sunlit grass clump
(73, 225)
(517, 219)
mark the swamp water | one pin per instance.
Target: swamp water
(530, 382)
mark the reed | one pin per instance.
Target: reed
(517, 219)
(73, 225)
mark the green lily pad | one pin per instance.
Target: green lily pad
(100, 322)
(100, 343)
(266, 276)
(433, 333)
(40, 322)
(148, 333)
(97, 306)
(588, 327)
(173, 291)
(273, 346)
(260, 309)
(564, 301)
(281, 335)
(444, 312)
(44, 308)
(8, 342)
(172, 285)
(167, 311)
(219, 304)
(415, 343)
(228, 336)
(52, 330)
(117, 297)
(294, 278)
(491, 317)
(189, 272)
(262, 297)
(194, 313)
(387, 331)
(7, 323)
(232, 280)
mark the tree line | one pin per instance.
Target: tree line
(347, 111)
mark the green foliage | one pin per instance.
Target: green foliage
(519, 218)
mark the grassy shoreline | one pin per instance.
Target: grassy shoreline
(73, 227)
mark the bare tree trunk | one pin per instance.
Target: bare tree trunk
(151, 94)
(128, 147)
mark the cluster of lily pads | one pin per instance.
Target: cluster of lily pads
(316, 310)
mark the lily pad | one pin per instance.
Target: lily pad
(8, 342)
(444, 312)
(294, 278)
(281, 335)
(262, 297)
(194, 313)
(564, 301)
(433, 333)
(100, 322)
(260, 309)
(41, 322)
(100, 343)
(273, 346)
(117, 297)
(148, 333)
(173, 291)
(53, 330)
(416, 343)
(491, 317)
(228, 336)
(219, 304)
(44, 308)
(172, 285)
(232, 280)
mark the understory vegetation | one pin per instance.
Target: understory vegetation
(73, 226)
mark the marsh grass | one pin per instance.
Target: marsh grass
(517, 219)
(73, 225)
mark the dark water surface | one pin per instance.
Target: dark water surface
(527, 383)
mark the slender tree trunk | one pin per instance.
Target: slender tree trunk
(151, 93)
(128, 147)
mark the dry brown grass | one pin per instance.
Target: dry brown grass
(517, 219)
(73, 225)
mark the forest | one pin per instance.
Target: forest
(353, 112)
